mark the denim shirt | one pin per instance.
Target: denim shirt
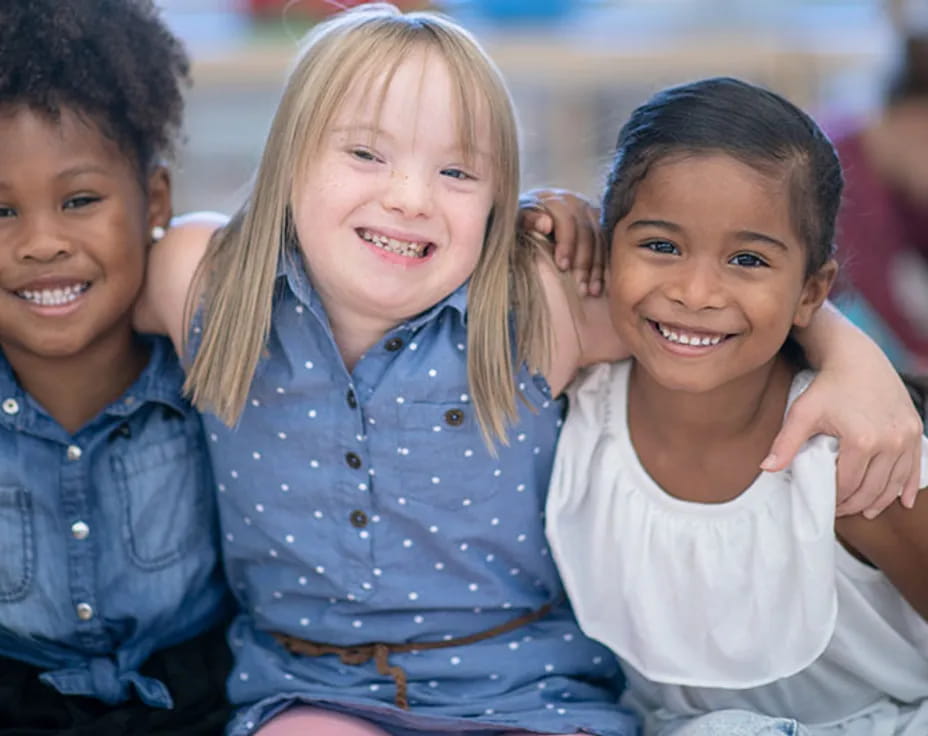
(364, 505)
(108, 548)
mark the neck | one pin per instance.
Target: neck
(355, 334)
(707, 446)
(77, 388)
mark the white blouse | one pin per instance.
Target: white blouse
(721, 605)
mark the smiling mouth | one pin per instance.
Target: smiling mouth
(54, 297)
(409, 249)
(693, 338)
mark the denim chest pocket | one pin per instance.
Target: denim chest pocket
(163, 499)
(443, 457)
(17, 543)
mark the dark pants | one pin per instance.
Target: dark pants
(194, 672)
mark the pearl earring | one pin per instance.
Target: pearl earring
(157, 232)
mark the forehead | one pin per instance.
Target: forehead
(717, 191)
(418, 97)
(35, 138)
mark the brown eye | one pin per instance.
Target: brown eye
(748, 260)
(74, 203)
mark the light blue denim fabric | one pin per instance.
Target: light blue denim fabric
(731, 723)
(363, 505)
(108, 547)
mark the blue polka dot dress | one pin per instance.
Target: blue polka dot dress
(364, 506)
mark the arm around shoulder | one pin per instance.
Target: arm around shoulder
(172, 263)
(582, 327)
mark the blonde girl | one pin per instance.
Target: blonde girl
(382, 418)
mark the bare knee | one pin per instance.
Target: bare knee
(303, 720)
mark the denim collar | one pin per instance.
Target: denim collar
(160, 381)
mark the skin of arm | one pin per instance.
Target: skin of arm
(581, 324)
(896, 543)
(172, 264)
(880, 430)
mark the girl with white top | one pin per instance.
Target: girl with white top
(736, 602)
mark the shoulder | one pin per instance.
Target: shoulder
(581, 325)
(172, 263)
(597, 400)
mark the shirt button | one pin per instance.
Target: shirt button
(358, 519)
(353, 460)
(394, 344)
(74, 453)
(79, 530)
(352, 399)
(84, 611)
(454, 417)
(10, 406)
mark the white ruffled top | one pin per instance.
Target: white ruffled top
(728, 595)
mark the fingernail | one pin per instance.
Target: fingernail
(870, 514)
(583, 288)
(769, 462)
(563, 264)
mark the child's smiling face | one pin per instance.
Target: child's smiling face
(707, 273)
(74, 228)
(392, 213)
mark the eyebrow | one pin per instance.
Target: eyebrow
(744, 236)
(375, 130)
(68, 173)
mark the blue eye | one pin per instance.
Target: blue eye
(456, 174)
(363, 154)
(664, 247)
(748, 260)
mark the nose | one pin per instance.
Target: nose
(43, 242)
(696, 284)
(408, 193)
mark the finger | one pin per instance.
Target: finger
(797, 428)
(584, 254)
(894, 487)
(871, 488)
(598, 269)
(912, 483)
(564, 232)
(535, 219)
(851, 469)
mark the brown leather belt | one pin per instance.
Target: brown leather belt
(380, 651)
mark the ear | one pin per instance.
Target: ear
(814, 292)
(159, 198)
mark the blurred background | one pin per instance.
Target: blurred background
(577, 67)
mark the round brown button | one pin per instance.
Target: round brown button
(353, 460)
(358, 519)
(454, 417)
(352, 399)
(394, 344)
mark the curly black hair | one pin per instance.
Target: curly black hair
(114, 61)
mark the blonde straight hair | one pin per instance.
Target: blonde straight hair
(235, 281)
